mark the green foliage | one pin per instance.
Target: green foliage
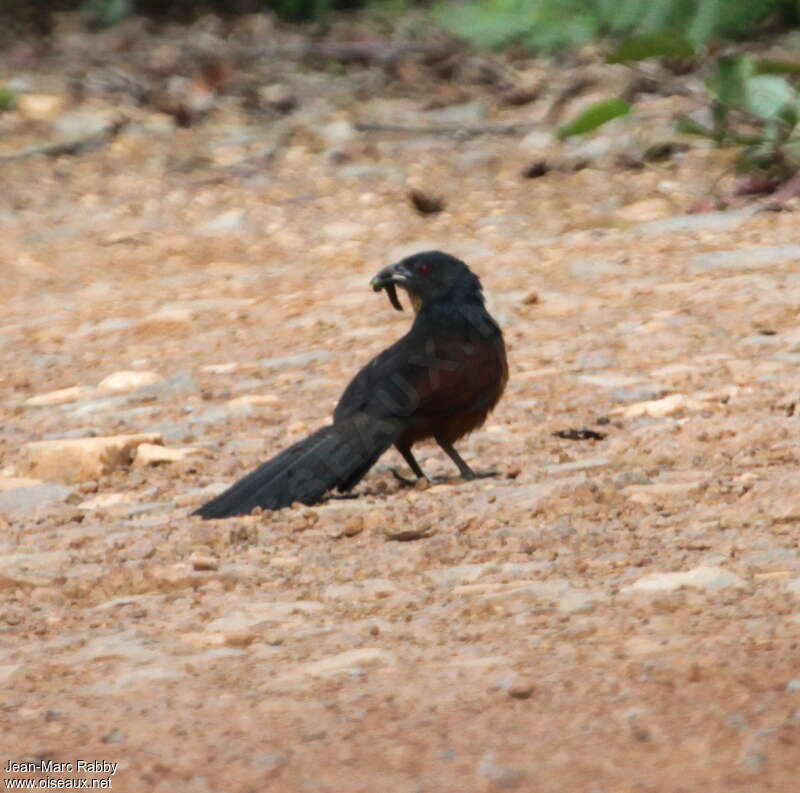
(595, 116)
(651, 45)
(547, 25)
(105, 13)
(753, 105)
(755, 109)
(8, 99)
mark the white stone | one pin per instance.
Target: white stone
(81, 459)
(127, 381)
(256, 613)
(60, 397)
(105, 500)
(153, 454)
(703, 577)
(660, 408)
(365, 657)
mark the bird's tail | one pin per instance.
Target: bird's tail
(336, 456)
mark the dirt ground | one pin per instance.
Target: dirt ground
(608, 615)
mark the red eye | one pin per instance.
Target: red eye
(423, 269)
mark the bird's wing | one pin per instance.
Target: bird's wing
(426, 374)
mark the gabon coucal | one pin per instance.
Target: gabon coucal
(439, 381)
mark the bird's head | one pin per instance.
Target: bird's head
(428, 277)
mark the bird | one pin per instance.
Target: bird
(439, 381)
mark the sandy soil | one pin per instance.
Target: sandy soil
(523, 637)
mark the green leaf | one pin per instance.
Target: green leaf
(706, 21)
(790, 115)
(8, 99)
(729, 84)
(767, 95)
(595, 116)
(653, 45)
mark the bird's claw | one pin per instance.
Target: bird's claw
(403, 480)
(468, 477)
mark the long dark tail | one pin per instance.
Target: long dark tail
(336, 456)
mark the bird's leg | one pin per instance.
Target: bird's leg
(463, 469)
(412, 464)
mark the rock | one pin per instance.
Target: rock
(107, 500)
(537, 142)
(278, 97)
(232, 222)
(141, 676)
(577, 465)
(250, 404)
(177, 316)
(262, 612)
(660, 408)
(372, 173)
(176, 385)
(301, 359)
(460, 574)
(711, 578)
(365, 657)
(521, 689)
(153, 454)
(29, 499)
(13, 482)
(469, 161)
(8, 672)
(41, 107)
(591, 270)
(577, 601)
(706, 221)
(643, 393)
(111, 325)
(93, 406)
(596, 359)
(643, 211)
(650, 494)
(366, 590)
(220, 368)
(534, 591)
(793, 586)
(60, 397)
(82, 459)
(349, 528)
(127, 381)
(204, 562)
(80, 124)
(337, 134)
(466, 113)
(744, 258)
(635, 476)
(408, 533)
(499, 775)
(608, 379)
(32, 569)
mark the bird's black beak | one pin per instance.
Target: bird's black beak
(389, 278)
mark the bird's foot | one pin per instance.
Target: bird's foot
(403, 480)
(478, 475)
